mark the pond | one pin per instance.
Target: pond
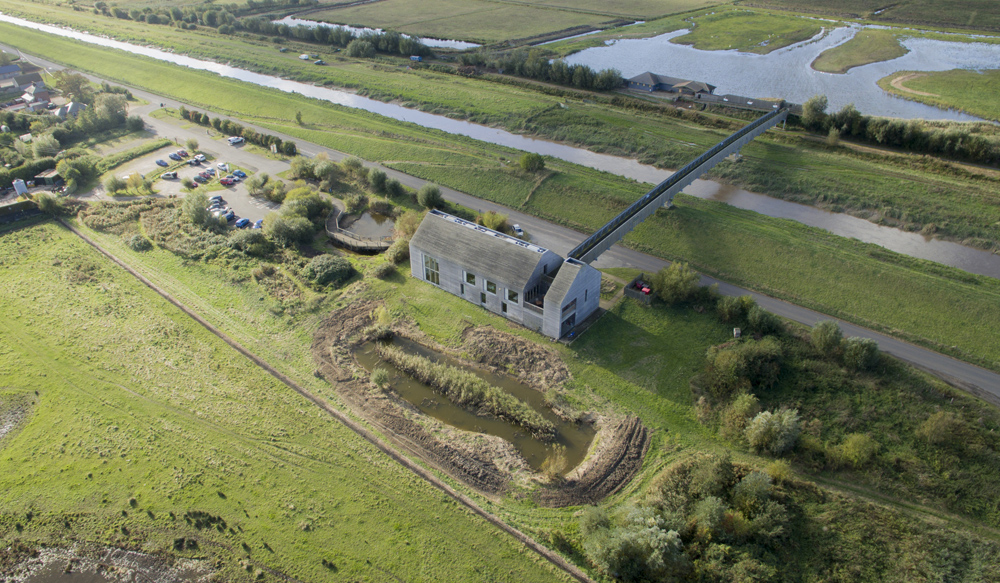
(572, 439)
(434, 43)
(787, 73)
(370, 225)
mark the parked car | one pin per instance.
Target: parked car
(517, 230)
(200, 157)
(183, 153)
(223, 165)
(168, 175)
(226, 181)
(259, 224)
(174, 156)
(240, 174)
(216, 198)
(194, 163)
(211, 171)
(230, 216)
(200, 178)
(242, 223)
(162, 163)
(235, 140)
(319, 62)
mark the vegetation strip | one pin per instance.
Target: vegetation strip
(545, 553)
(468, 390)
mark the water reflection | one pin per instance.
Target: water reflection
(372, 225)
(436, 43)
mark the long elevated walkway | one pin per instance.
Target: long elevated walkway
(664, 193)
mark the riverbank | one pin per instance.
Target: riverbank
(974, 92)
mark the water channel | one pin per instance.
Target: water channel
(787, 73)
(572, 439)
(435, 43)
(967, 258)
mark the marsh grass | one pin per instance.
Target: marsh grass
(867, 46)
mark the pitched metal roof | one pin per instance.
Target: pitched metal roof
(27, 79)
(562, 282)
(697, 86)
(501, 258)
(9, 69)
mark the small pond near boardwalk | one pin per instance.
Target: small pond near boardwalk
(371, 225)
(572, 439)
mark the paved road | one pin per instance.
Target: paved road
(977, 380)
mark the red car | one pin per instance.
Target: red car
(226, 181)
(182, 153)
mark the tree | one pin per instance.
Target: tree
(326, 269)
(429, 196)
(192, 144)
(111, 109)
(289, 148)
(826, 337)
(531, 162)
(763, 322)
(45, 146)
(287, 231)
(493, 220)
(5, 59)
(676, 283)
(377, 180)
(255, 184)
(134, 123)
(860, 354)
(298, 114)
(195, 209)
(302, 168)
(774, 433)
(49, 204)
(360, 49)
(113, 184)
(73, 85)
(814, 112)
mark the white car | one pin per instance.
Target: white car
(235, 140)
(517, 230)
(200, 157)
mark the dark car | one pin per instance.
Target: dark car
(199, 178)
(162, 163)
(216, 198)
(174, 156)
(230, 216)
(211, 171)
(194, 163)
(242, 223)
(259, 224)
(240, 174)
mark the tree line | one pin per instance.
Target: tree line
(231, 128)
(913, 135)
(534, 64)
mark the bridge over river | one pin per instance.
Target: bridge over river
(663, 194)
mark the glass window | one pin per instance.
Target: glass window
(482, 297)
(470, 278)
(503, 307)
(461, 288)
(569, 307)
(491, 287)
(431, 270)
(512, 296)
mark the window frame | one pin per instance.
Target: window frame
(515, 299)
(487, 285)
(429, 269)
(470, 278)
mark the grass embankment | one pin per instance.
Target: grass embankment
(468, 390)
(140, 415)
(867, 46)
(959, 14)
(749, 31)
(974, 92)
(641, 360)
(585, 199)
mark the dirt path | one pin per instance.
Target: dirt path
(898, 84)
(367, 435)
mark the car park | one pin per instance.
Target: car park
(259, 224)
(242, 223)
(162, 163)
(518, 230)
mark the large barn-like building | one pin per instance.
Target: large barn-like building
(528, 284)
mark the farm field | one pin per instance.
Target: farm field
(157, 419)
(970, 91)
(971, 14)
(868, 46)
(748, 31)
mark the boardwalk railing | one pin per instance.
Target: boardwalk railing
(351, 240)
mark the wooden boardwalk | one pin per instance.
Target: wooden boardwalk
(351, 241)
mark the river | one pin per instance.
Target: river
(436, 43)
(787, 73)
(966, 258)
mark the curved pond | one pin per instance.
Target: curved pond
(787, 73)
(436, 43)
(371, 225)
(571, 440)
(972, 260)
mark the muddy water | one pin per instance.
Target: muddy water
(571, 438)
(56, 573)
(372, 225)
(966, 258)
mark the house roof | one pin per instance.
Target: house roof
(485, 252)
(36, 88)
(71, 108)
(563, 281)
(27, 79)
(7, 69)
(653, 79)
(696, 86)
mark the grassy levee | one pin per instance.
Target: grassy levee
(749, 31)
(867, 46)
(585, 199)
(973, 92)
(140, 416)
(959, 14)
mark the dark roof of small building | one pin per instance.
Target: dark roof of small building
(562, 282)
(479, 250)
(27, 79)
(653, 79)
(696, 86)
(9, 69)
(47, 173)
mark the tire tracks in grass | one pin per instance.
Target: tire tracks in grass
(354, 426)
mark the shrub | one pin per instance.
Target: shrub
(192, 144)
(943, 428)
(780, 471)
(49, 204)
(429, 196)
(394, 188)
(326, 269)
(860, 354)
(407, 223)
(774, 433)
(709, 513)
(377, 180)
(113, 184)
(711, 477)
(750, 364)
(380, 377)
(251, 242)
(855, 452)
(187, 182)
(381, 206)
(255, 184)
(493, 220)
(736, 415)
(195, 207)
(286, 231)
(532, 162)
(826, 337)
(734, 310)
(399, 251)
(355, 204)
(641, 549)
(139, 243)
(360, 49)
(751, 493)
(676, 283)
(382, 270)
(302, 168)
(760, 321)
(134, 123)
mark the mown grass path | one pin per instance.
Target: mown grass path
(357, 428)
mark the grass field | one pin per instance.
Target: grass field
(140, 416)
(974, 92)
(749, 31)
(867, 46)
(974, 14)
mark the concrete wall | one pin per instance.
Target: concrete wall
(586, 290)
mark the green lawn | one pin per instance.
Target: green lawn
(973, 92)
(867, 46)
(748, 31)
(140, 416)
(971, 14)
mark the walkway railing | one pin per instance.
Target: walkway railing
(352, 240)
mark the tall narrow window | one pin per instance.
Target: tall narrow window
(482, 297)
(585, 295)
(503, 307)
(461, 288)
(431, 270)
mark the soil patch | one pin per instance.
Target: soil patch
(488, 464)
(14, 411)
(96, 564)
